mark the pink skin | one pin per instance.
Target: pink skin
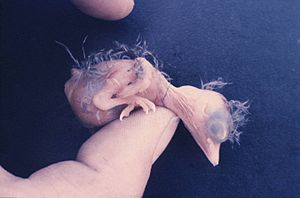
(76, 92)
(122, 89)
(195, 106)
(115, 162)
(105, 9)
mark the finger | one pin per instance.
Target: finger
(12, 186)
(105, 9)
(126, 150)
(165, 138)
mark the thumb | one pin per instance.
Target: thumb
(124, 151)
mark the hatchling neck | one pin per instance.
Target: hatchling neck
(176, 101)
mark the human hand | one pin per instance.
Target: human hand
(115, 162)
(105, 9)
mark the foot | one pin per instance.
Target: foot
(137, 101)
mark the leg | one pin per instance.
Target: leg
(104, 102)
(105, 99)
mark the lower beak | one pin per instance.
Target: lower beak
(212, 153)
(210, 148)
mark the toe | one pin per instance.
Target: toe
(126, 111)
(150, 105)
(142, 104)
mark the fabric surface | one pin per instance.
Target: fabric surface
(255, 45)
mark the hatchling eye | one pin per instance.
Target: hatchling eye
(217, 129)
(129, 83)
(218, 125)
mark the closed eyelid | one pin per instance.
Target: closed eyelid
(216, 128)
(218, 125)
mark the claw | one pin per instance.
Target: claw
(151, 105)
(147, 105)
(143, 104)
(126, 111)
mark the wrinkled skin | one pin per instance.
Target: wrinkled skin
(136, 83)
(115, 162)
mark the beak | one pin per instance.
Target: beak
(210, 148)
(212, 152)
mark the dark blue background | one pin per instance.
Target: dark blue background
(253, 44)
